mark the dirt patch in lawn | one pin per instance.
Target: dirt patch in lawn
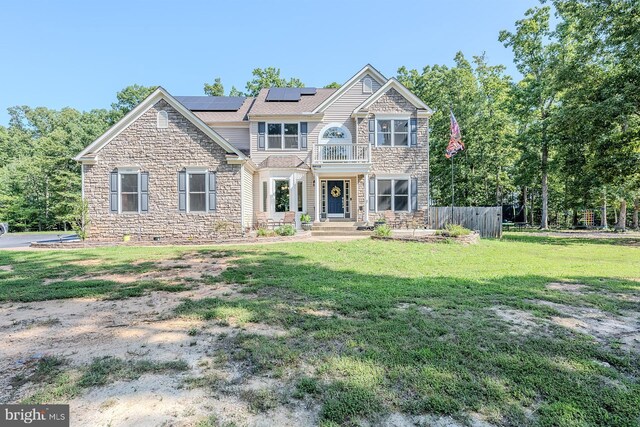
(621, 330)
(6, 268)
(566, 287)
(145, 328)
(191, 267)
(520, 322)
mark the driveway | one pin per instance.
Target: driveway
(23, 240)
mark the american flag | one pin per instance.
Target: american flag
(455, 141)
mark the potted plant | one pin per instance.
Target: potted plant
(305, 222)
(380, 220)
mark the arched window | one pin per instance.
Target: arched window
(334, 133)
(163, 119)
(367, 85)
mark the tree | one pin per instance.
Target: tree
(128, 99)
(215, 89)
(601, 79)
(536, 58)
(480, 95)
(333, 85)
(269, 77)
(235, 92)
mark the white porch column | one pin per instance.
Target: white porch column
(366, 198)
(316, 189)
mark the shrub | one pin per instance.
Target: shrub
(286, 230)
(453, 230)
(265, 232)
(305, 218)
(382, 231)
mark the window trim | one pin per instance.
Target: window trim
(282, 136)
(301, 196)
(347, 140)
(367, 88)
(393, 180)
(393, 118)
(272, 197)
(128, 171)
(165, 117)
(197, 171)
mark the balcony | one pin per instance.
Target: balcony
(341, 154)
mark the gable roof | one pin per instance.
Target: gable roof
(159, 94)
(393, 83)
(367, 69)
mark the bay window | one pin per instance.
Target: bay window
(282, 195)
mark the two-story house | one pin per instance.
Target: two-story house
(203, 167)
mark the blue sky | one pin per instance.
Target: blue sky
(79, 54)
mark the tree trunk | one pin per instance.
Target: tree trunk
(544, 220)
(531, 210)
(622, 219)
(636, 208)
(604, 211)
(524, 198)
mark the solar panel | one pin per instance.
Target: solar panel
(276, 94)
(288, 94)
(211, 103)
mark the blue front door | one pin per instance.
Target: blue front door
(335, 190)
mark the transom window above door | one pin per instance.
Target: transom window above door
(334, 133)
(283, 136)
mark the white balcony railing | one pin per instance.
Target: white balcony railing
(341, 153)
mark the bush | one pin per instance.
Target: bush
(453, 230)
(382, 231)
(286, 230)
(265, 232)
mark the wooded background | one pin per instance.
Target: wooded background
(564, 138)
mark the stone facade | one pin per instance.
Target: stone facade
(162, 153)
(412, 161)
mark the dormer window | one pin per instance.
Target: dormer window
(367, 85)
(163, 119)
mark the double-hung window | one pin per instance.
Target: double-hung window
(393, 195)
(129, 192)
(392, 132)
(197, 192)
(283, 136)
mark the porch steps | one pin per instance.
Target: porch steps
(338, 228)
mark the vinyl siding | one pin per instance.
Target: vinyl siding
(312, 136)
(340, 111)
(247, 197)
(238, 137)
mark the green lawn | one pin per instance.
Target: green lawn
(377, 327)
